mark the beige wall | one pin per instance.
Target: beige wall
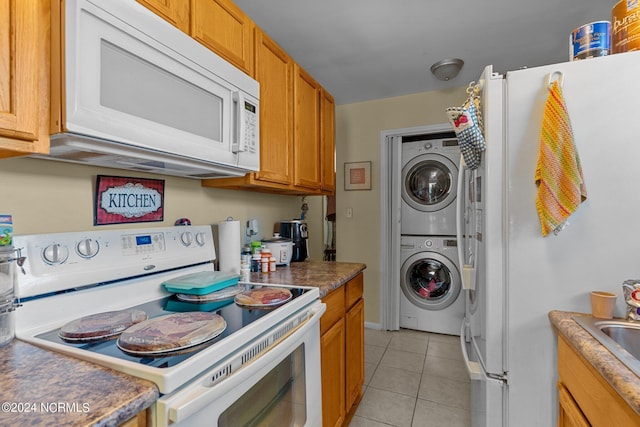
(358, 128)
(46, 196)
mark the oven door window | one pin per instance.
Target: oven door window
(278, 399)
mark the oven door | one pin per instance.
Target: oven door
(282, 387)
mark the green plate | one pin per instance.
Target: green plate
(201, 283)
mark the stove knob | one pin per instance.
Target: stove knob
(55, 254)
(186, 238)
(87, 248)
(201, 239)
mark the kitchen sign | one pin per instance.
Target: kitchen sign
(122, 200)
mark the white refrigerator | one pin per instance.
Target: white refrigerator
(513, 276)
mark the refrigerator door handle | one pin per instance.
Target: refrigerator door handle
(474, 368)
(468, 273)
(459, 214)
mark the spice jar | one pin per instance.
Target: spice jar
(266, 255)
(255, 262)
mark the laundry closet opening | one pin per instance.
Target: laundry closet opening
(421, 287)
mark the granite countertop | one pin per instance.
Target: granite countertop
(621, 378)
(41, 387)
(326, 275)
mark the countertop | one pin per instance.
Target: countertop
(41, 387)
(325, 275)
(621, 378)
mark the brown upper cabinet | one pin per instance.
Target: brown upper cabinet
(218, 24)
(306, 135)
(327, 143)
(274, 71)
(224, 28)
(24, 77)
(175, 12)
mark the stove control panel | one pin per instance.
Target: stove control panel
(61, 261)
(136, 244)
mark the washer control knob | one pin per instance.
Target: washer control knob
(186, 238)
(88, 248)
(428, 146)
(428, 243)
(55, 254)
(201, 239)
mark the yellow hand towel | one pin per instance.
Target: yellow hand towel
(558, 176)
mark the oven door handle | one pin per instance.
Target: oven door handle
(203, 395)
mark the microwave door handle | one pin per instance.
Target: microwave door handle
(238, 145)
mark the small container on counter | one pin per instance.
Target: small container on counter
(6, 230)
(256, 247)
(272, 263)
(255, 262)
(245, 272)
(265, 257)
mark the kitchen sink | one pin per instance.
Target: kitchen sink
(620, 337)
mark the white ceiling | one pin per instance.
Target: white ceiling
(369, 49)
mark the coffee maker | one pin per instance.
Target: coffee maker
(296, 230)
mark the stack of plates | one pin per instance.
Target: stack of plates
(201, 283)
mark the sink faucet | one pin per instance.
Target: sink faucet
(631, 290)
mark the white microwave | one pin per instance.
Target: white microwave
(136, 93)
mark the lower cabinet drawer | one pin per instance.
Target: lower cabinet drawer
(335, 309)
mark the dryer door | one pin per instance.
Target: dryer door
(430, 280)
(429, 182)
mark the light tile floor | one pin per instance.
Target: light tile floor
(413, 379)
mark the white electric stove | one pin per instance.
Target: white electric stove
(72, 275)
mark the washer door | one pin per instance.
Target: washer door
(430, 182)
(430, 280)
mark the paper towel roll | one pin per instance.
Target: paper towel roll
(229, 246)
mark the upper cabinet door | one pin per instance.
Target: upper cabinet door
(274, 71)
(307, 130)
(24, 33)
(224, 28)
(327, 142)
(174, 11)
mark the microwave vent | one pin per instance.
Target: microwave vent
(98, 152)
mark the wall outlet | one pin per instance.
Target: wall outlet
(349, 212)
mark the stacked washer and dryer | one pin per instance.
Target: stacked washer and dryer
(431, 298)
